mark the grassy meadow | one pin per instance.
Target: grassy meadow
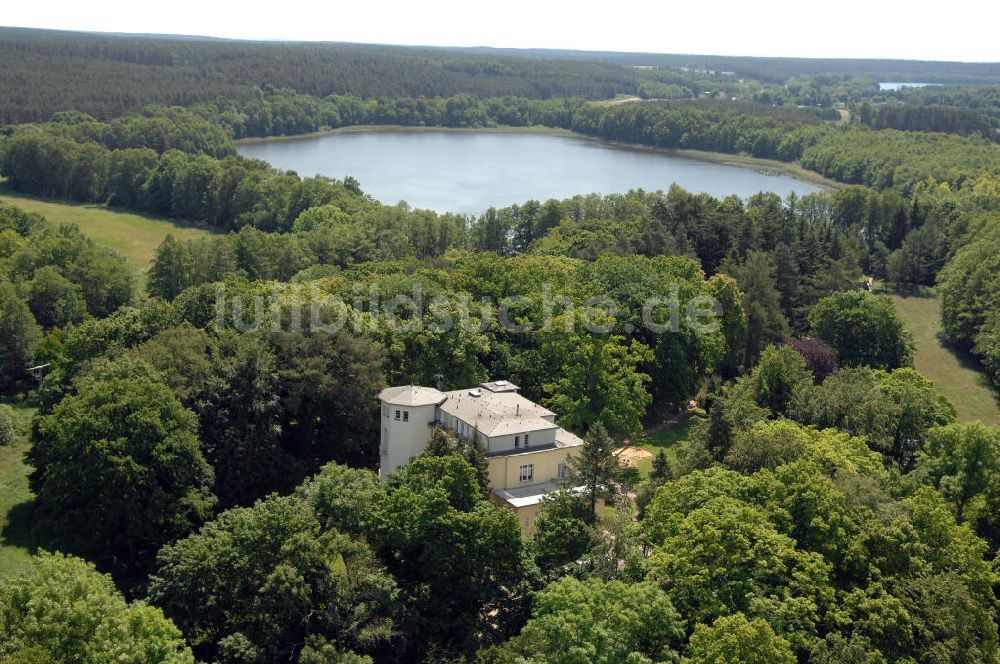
(955, 373)
(135, 236)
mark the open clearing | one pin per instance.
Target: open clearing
(135, 236)
(670, 439)
(955, 373)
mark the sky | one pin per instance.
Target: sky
(959, 30)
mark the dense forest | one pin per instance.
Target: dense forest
(780, 70)
(929, 118)
(106, 75)
(109, 75)
(202, 453)
(230, 424)
(983, 99)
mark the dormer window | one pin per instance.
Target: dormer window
(517, 441)
(526, 438)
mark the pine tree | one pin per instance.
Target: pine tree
(720, 432)
(661, 467)
(171, 269)
(595, 466)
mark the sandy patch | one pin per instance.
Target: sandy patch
(629, 456)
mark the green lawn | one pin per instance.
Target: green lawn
(669, 440)
(14, 553)
(135, 236)
(955, 373)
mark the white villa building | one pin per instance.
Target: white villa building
(524, 446)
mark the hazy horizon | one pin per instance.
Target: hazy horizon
(779, 28)
(418, 45)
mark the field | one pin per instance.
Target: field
(14, 553)
(955, 373)
(135, 236)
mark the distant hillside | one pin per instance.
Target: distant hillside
(106, 75)
(779, 70)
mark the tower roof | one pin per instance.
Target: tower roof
(411, 395)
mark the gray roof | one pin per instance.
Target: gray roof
(500, 386)
(411, 395)
(532, 494)
(566, 439)
(521, 451)
(497, 413)
(523, 496)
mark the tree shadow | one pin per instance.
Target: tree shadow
(969, 361)
(22, 529)
(907, 291)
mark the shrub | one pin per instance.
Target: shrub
(9, 426)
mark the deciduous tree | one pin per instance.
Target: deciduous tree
(602, 623)
(55, 300)
(118, 469)
(601, 382)
(261, 579)
(963, 462)
(60, 609)
(864, 329)
(563, 530)
(18, 335)
(736, 639)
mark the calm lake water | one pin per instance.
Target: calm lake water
(468, 171)
(895, 85)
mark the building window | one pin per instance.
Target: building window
(397, 414)
(406, 416)
(526, 439)
(527, 472)
(561, 471)
(517, 441)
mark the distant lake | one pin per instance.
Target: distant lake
(470, 171)
(895, 85)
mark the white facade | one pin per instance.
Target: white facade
(406, 418)
(505, 422)
(527, 452)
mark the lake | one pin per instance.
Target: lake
(470, 171)
(896, 85)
